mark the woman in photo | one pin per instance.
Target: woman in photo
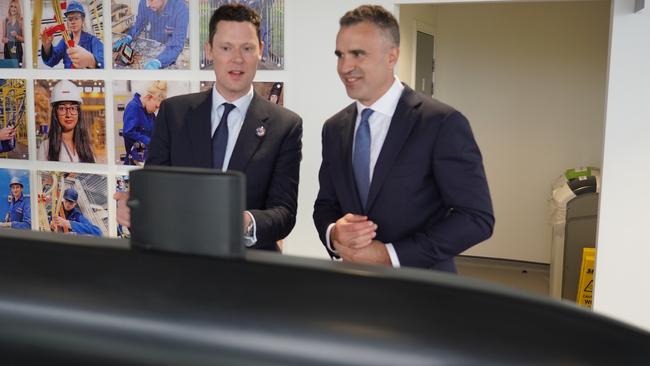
(67, 139)
(88, 50)
(139, 116)
(12, 33)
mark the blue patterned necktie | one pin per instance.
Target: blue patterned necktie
(220, 138)
(361, 157)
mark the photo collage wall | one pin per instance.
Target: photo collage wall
(73, 122)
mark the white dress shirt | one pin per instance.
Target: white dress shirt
(379, 122)
(235, 119)
(235, 122)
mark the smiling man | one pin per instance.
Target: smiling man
(232, 128)
(402, 180)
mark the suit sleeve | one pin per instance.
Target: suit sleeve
(326, 208)
(278, 219)
(459, 173)
(160, 145)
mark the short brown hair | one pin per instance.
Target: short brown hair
(235, 13)
(376, 15)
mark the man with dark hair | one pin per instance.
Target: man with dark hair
(402, 180)
(231, 127)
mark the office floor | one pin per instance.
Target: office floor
(530, 277)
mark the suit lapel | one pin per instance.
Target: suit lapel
(199, 124)
(347, 139)
(248, 140)
(405, 117)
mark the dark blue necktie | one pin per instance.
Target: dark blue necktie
(361, 157)
(220, 138)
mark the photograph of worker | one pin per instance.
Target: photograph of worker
(271, 90)
(122, 185)
(13, 34)
(271, 30)
(15, 210)
(135, 106)
(70, 121)
(72, 203)
(150, 34)
(13, 119)
(70, 34)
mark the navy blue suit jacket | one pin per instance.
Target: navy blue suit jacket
(181, 137)
(428, 195)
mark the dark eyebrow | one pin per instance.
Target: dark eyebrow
(355, 53)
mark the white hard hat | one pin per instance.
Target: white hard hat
(66, 91)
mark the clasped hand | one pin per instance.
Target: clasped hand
(353, 237)
(60, 222)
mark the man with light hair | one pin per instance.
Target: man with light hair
(138, 120)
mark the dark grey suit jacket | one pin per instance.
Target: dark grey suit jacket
(428, 195)
(181, 137)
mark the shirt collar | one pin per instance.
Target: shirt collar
(387, 103)
(242, 103)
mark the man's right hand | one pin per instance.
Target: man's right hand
(123, 211)
(353, 231)
(120, 42)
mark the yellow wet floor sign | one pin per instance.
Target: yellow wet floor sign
(586, 284)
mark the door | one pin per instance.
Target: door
(424, 64)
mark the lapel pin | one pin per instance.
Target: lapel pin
(260, 131)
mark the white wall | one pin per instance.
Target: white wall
(531, 79)
(624, 224)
